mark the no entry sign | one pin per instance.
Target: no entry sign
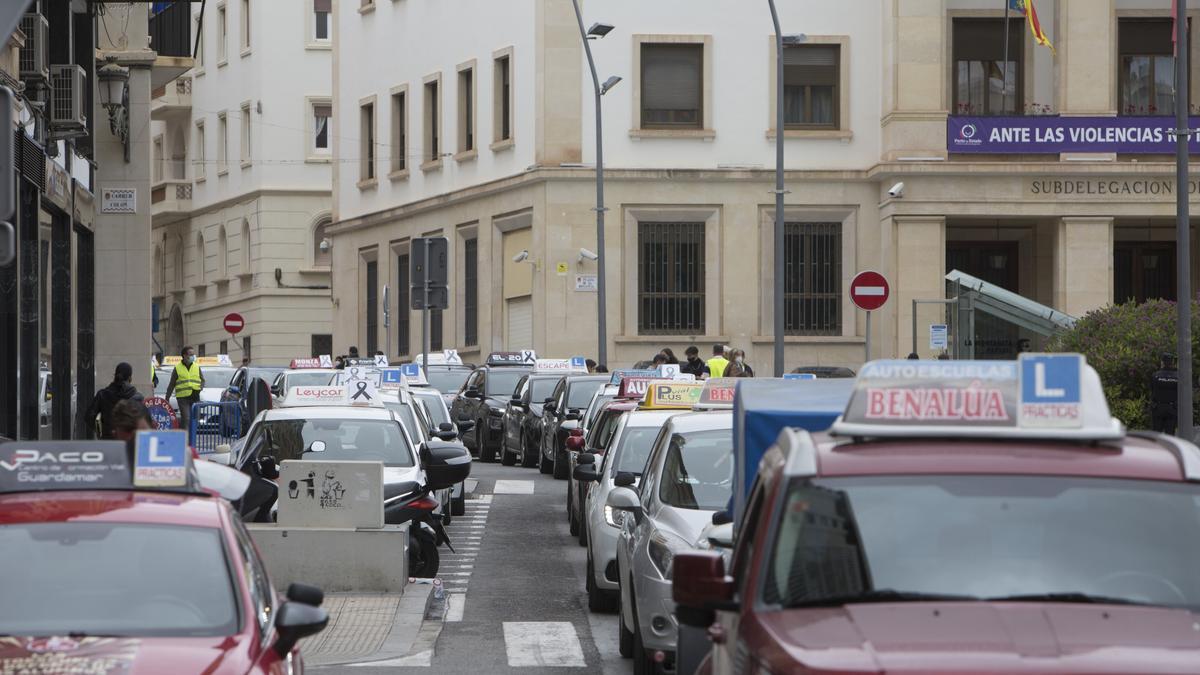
(234, 323)
(869, 290)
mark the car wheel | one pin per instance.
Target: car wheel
(423, 556)
(642, 663)
(560, 465)
(528, 459)
(582, 526)
(599, 600)
(572, 521)
(447, 512)
(507, 458)
(458, 505)
(545, 465)
(485, 454)
(624, 635)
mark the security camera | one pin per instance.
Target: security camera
(584, 253)
(897, 190)
(326, 245)
(521, 257)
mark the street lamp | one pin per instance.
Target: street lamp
(598, 30)
(114, 96)
(780, 41)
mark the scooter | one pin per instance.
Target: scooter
(410, 502)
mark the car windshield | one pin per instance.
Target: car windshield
(217, 378)
(503, 381)
(447, 380)
(407, 417)
(580, 393)
(267, 374)
(345, 439)
(634, 448)
(698, 470)
(318, 378)
(1046, 538)
(115, 579)
(595, 407)
(542, 389)
(601, 433)
(435, 406)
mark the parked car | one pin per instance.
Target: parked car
(523, 419)
(482, 400)
(238, 389)
(560, 415)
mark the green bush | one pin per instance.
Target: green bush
(1124, 344)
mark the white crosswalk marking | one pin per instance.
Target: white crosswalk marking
(513, 487)
(542, 644)
(456, 604)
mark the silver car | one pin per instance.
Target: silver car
(688, 478)
(623, 464)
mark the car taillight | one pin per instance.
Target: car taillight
(425, 503)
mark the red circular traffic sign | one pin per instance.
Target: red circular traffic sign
(869, 290)
(234, 323)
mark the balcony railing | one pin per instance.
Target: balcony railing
(171, 28)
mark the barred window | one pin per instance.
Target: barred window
(671, 278)
(471, 292)
(403, 300)
(812, 286)
(372, 305)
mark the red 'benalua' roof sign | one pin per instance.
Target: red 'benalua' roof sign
(959, 393)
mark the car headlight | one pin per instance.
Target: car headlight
(662, 548)
(613, 517)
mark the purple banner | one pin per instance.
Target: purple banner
(1046, 134)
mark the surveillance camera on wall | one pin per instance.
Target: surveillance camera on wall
(521, 257)
(586, 254)
(897, 190)
(326, 245)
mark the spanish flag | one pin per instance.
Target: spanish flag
(1035, 27)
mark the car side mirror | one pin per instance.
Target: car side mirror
(585, 458)
(223, 454)
(465, 424)
(573, 415)
(720, 536)
(586, 473)
(444, 435)
(234, 390)
(268, 468)
(575, 443)
(516, 399)
(699, 583)
(471, 393)
(722, 518)
(309, 595)
(548, 405)
(624, 479)
(625, 499)
(446, 464)
(295, 621)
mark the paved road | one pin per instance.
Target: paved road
(516, 592)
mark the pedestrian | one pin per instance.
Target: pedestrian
(738, 366)
(659, 359)
(1164, 396)
(601, 368)
(591, 365)
(671, 358)
(912, 356)
(693, 365)
(186, 382)
(245, 361)
(718, 362)
(105, 399)
(353, 352)
(129, 416)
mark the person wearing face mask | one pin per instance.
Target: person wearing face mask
(693, 365)
(737, 365)
(186, 382)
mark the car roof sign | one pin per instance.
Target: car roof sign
(31, 466)
(299, 397)
(323, 361)
(1050, 396)
(718, 393)
(618, 375)
(525, 357)
(220, 360)
(636, 387)
(161, 459)
(672, 395)
(799, 376)
(414, 375)
(551, 366)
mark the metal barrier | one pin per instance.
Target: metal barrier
(214, 424)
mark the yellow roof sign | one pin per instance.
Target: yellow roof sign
(665, 395)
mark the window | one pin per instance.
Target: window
(367, 136)
(471, 292)
(179, 281)
(403, 303)
(199, 167)
(810, 86)
(1146, 67)
(197, 30)
(321, 256)
(1143, 270)
(321, 12)
(502, 92)
(432, 153)
(979, 82)
(201, 259)
(812, 282)
(245, 246)
(222, 36)
(466, 110)
(246, 138)
(322, 113)
(222, 253)
(399, 130)
(224, 347)
(201, 350)
(372, 296)
(222, 144)
(245, 26)
(246, 348)
(160, 159)
(672, 86)
(671, 278)
(322, 345)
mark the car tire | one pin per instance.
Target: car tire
(423, 556)
(560, 466)
(458, 505)
(583, 535)
(599, 600)
(507, 458)
(572, 521)
(624, 635)
(544, 464)
(485, 454)
(642, 663)
(528, 459)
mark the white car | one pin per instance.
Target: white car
(300, 377)
(688, 478)
(623, 463)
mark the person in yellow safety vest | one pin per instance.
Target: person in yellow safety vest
(186, 382)
(718, 362)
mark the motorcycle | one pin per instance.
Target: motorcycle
(410, 502)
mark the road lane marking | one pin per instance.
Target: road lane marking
(513, 487)
(531, 644)
(456, 604)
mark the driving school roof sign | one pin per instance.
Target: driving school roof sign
(673, 395)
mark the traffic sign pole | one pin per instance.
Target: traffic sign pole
(868, 341)
(425, 309)
(869, 291)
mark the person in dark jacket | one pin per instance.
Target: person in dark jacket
(737, 365)
(107, 398)
(1164, 396)
(694, 365)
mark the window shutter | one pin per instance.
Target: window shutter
(322, 5)
(1146, 37)
(322, 110)
(983, 39)
(810, 65)
(672, 77)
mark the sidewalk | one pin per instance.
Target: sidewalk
(371, 627)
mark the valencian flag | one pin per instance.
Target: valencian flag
(1026, 8)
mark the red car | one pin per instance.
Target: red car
(970, 521)
(100, 575)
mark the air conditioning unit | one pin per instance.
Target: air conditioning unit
(35, 55)
(68, 92)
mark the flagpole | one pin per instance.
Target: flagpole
(1004, 73)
